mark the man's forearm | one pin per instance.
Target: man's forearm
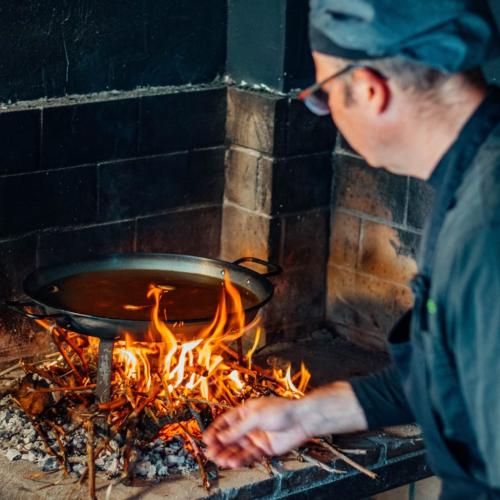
(331, 409)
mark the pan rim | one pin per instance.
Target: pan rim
(30, 280)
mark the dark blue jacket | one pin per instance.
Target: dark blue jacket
(446, 351)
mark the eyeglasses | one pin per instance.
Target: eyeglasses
(315, 98)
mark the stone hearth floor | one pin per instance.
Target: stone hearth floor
(397, 455)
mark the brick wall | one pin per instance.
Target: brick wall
(277, 200)
(213, 171)
(120, 172)
(376, 225)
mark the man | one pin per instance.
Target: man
(401, 81)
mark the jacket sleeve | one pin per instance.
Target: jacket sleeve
(382, 398)
(381, 395)
(473, 323)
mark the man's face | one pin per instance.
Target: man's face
(358, 106)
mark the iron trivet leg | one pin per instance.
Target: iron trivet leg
(104, 366)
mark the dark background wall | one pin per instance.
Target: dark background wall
(53, 48)
(268, 43)
(56, 47)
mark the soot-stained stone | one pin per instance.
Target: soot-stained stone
(142, 186)
(308, 133)
(57, 48)
(248, 180)
(99, 35)
(363, 302)
(47, 199)
(89, 132)
(344, 239)
(186, 41)
(244, 234)
(299, 478)
(257, 121)
(190, 231)
(82, 243)
(299, 296)
(17, 260)
(241, 177)
(370, 191)
(182, 120)
(395, 447)
(388, 252)
(20, 132)
(305, 240)
(300, 183)
(206, 172)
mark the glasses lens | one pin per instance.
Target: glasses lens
(317, 103)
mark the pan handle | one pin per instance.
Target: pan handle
(273, 269)
(20, 308)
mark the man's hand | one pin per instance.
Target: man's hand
(272, 426)
(265, 426)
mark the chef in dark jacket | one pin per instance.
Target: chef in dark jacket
(401, 80)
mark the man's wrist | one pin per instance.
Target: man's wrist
(331, 409)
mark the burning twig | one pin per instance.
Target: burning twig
(65, 355)
(97, 453)
(200, 459)
(127, 453)
(337, 453)
(69, 388)
(114, 404)
(41, 433)
(196, 416)
(206, 402)
(10, 369)
(19, 364)
(91, 459)
(66, 338)
(58, 432)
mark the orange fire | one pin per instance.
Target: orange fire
(165, 377)
(205, 368)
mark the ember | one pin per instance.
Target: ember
(168, 390)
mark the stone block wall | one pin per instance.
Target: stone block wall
(376, 226)
(277, 200)
(210, 171)
(137, 171)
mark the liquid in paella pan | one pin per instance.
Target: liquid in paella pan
(122, 294)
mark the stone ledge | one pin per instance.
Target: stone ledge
(23, 480)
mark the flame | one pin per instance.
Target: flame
(234, 376)
(207, 368)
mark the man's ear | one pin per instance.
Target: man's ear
(372, 89)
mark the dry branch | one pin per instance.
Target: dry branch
(303, 457)
(346, 459)
(91, 459)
